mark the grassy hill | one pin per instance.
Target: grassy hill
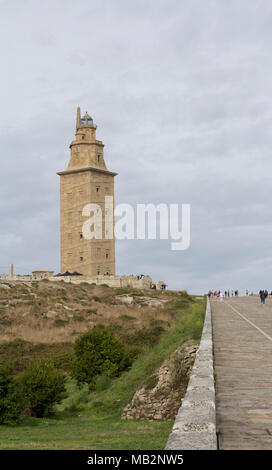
(42, 321)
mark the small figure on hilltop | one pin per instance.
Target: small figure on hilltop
(246, 292)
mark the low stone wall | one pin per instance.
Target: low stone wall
(111, 281)
(195, 424)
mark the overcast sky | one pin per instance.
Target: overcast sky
(181, 91)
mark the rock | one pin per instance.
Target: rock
(51, 314)
(163, 401)
(126, 299)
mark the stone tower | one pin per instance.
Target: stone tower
(86, 181)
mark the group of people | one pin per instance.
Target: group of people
(263, 294)
(220, 294)
(234, 293)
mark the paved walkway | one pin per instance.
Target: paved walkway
(243, 368)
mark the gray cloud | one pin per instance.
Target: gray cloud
(182, 95)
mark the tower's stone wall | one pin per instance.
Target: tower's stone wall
(86, 180)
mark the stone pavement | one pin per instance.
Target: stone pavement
(243, 368)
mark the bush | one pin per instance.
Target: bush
(145, 336)
(11, 403)
(43, 387)
(184, 293)
(98, 351)
(59, 322)
(102, 383)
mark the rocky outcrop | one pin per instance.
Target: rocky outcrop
(159, 398)
(141, 300)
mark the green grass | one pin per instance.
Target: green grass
(92, 421)
(188, 326)
(21, 353)
(86, 431)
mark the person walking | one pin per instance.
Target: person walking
(262, 296)
(221, 296)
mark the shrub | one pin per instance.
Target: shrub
(127, 317)
(72, 407)
(11, 403)
(59, 322)
(145, 336)
(98, 351)
(184, 293)
(102, 382)
(78, 318)
(43, 387)
(134, 352)
(92, 310)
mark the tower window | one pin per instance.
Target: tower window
(97, 189)
(81, 258)
(83, 137)
(98, 158)
(80, 236)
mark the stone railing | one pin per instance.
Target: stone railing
(195, 424)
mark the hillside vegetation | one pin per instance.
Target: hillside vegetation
(43, 320)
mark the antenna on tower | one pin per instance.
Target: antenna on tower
(78, 117)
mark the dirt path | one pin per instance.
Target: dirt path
(242, 332)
